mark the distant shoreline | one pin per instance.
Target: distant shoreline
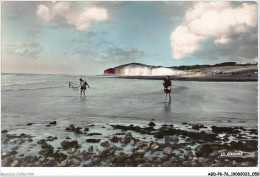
(179, 78)
(230, 74)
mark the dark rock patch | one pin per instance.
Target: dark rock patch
(69, 144)
(4, 131)
(53, 123)
(151, 124)
(93, 140)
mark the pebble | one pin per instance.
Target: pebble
(6, 162)
(167, 164)
(75, 162)
(168, 150)
(202, 160)
(64, 163)
(90, 149)
(105, 144)
(194, 164)
(154, 146)
(15, 163)
(186, 163)
(132, 142)
(71, 151)
(188, 153)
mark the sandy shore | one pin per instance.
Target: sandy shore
(147, 145)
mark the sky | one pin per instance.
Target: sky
(88, 37)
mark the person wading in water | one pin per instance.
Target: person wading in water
(83, 86)
(167, 88)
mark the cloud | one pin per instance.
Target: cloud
(81, 21)
(30, 50)
(217, 20)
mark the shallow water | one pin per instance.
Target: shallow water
(43, 98)
(39, 99)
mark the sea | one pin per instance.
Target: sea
(29, 102)
(37, 98)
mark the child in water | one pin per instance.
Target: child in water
(83, 86)
(167, 88)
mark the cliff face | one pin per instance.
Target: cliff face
(136, 69)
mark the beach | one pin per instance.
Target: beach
(124, 122)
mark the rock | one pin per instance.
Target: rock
(29, 124)
(114, 139)
(173, 159)
(30, 140)
(169, 139)
(188, 139)
(140, 143)
(53, 123)
(151, 124)
(15, 148)
(51, 163)
(93, 140)
(120, 134)
(244, 164)
(78, 155)
(112, 146)
(229, 130)
(64, 163)
(71, 150)
(154, 146)
(132, 142)
(78, 130)
(6, 162)
(194, 164)
(4, 154)
(119, 148)
(96, 159)
(253, 131)
(37, 164)
(92, 134)
(168, 150)
(90, 149)
(129, 135)
(42, 159)
(167, 164)
(67, 144)
(146, 148)
(4, 131)
(48, 125)
(105, 144)
(141, 151)
(15, 163)
(86, 129)
(75, 162)
(202, 160)
(214, 154)
(125, 140)
(186, 163)
(197, 126)
(68, 138)
(188, 153)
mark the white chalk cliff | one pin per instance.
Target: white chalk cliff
(136, 69)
